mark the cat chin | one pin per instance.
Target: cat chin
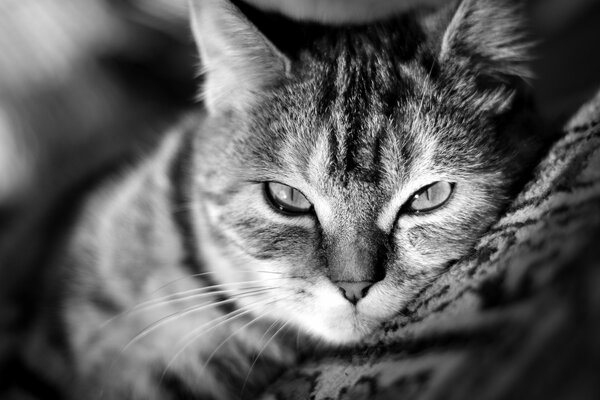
(337, 325)
(340, 337)
(323, 313)
(343, 329)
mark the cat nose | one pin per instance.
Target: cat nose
(354, 291)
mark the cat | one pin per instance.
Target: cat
(333, 172)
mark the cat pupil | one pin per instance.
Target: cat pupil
(283, 193)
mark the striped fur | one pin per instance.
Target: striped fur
(356, 117)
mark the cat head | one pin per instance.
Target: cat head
(340, 169)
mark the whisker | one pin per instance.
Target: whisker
(174, 297)
(147, 306)
(189, 310)
(258, 303)
(267, 331)
(227, 317)
(231, 336)
(191, 337)
(199, 275)
(260, 352)
(221, 320)
(226, 284)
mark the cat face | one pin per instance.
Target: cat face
(346, 177)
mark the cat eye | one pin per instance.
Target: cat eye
(286, 199)
(431, 197)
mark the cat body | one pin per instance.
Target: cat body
(324, 186)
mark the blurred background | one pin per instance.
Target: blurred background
(85, 83)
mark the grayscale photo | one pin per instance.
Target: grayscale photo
(299, 199)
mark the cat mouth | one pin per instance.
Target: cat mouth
(340, 324)
(323, 312)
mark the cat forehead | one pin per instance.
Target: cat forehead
(357, 111)
(362, 163)
(353, 121)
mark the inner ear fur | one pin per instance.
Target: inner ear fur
(238, 61)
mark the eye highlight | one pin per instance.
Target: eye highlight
(286, 199)
(430, 197)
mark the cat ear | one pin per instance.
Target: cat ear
(491, 36)
(238, 61)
